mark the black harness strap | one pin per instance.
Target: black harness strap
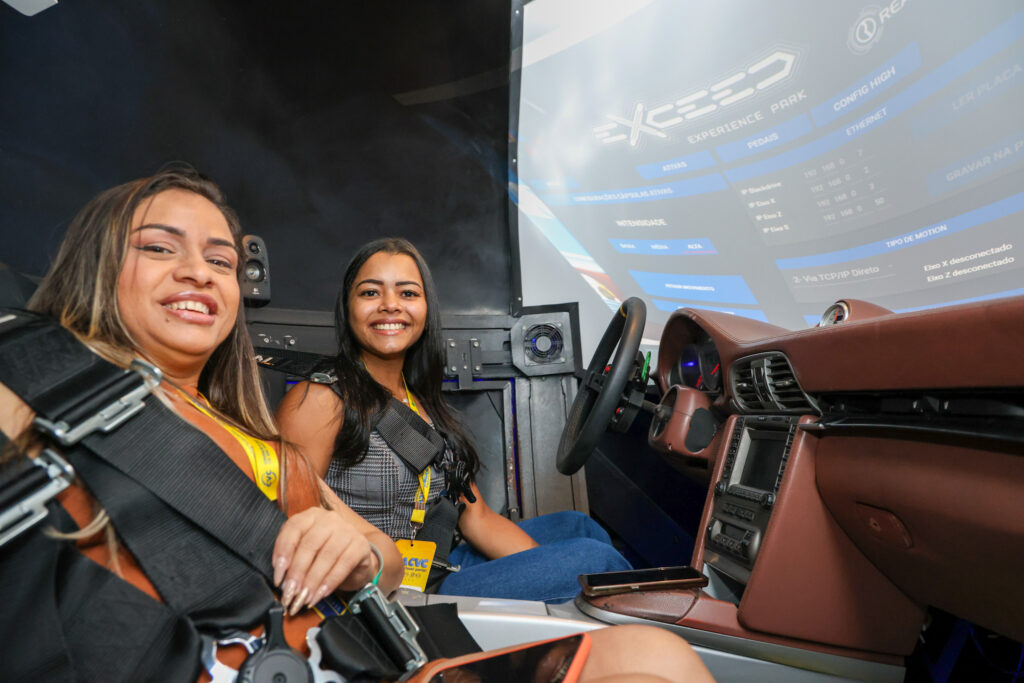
(193, 572)
(408, 435)
(55, 372)
(163, 483)
(193, 481)
(71, 619)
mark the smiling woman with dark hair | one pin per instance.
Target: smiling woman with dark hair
(389, 370)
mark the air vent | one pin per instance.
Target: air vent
(766, 383)
(543, 343)
(742, 378)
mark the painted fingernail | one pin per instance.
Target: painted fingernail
(299, 602)
(280, 564)
(320, 594)
(288, 592)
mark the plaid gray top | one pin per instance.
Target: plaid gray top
(381, 488)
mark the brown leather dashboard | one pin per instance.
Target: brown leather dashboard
(940, 516)
(972, 345)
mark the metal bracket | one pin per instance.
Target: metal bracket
(397, 619)
(463, 359)
(112, 414)
(56, 476)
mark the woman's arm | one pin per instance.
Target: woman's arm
(309, 416)
(490, 533)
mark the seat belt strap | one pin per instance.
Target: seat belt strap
(36, 352)
(193, 572)
(71, 619)
(193, 481)
(156, 454)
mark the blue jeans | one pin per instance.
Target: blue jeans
(570, 544)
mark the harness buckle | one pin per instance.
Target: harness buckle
(107, 408)
(220, 672)
(395, 621)
(47, 475)
(447, 566)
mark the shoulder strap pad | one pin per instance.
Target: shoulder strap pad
(408, 435)
(316, 368)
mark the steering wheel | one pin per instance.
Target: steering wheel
(600, 392)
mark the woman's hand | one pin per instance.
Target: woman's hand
(317, 552)
(321, 550)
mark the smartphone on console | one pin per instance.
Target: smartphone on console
(657, 578)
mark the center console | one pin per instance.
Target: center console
(787, 584)
(745, 493)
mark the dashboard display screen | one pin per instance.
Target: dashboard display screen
(761, 465)
(767, 159)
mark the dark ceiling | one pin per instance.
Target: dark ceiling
(327, 123)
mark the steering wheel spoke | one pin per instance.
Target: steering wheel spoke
(604, 385)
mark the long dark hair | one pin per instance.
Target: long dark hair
(423, 367)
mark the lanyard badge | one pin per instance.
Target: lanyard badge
(417, 556)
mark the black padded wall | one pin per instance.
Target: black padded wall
(328, 123)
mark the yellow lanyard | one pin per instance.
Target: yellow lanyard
(419, 508)
(262, 457)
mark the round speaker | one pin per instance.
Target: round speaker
(254, 271)
(543, 343)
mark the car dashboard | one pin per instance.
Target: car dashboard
(858, 473)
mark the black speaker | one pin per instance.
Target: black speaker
(255, 271)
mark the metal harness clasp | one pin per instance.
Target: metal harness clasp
(48, 475)
(107, 408)
(396, 619)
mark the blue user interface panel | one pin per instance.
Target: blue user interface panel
(766, 159)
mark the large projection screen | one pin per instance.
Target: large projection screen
(767, 159)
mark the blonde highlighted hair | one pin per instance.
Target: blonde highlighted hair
(80, 292)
